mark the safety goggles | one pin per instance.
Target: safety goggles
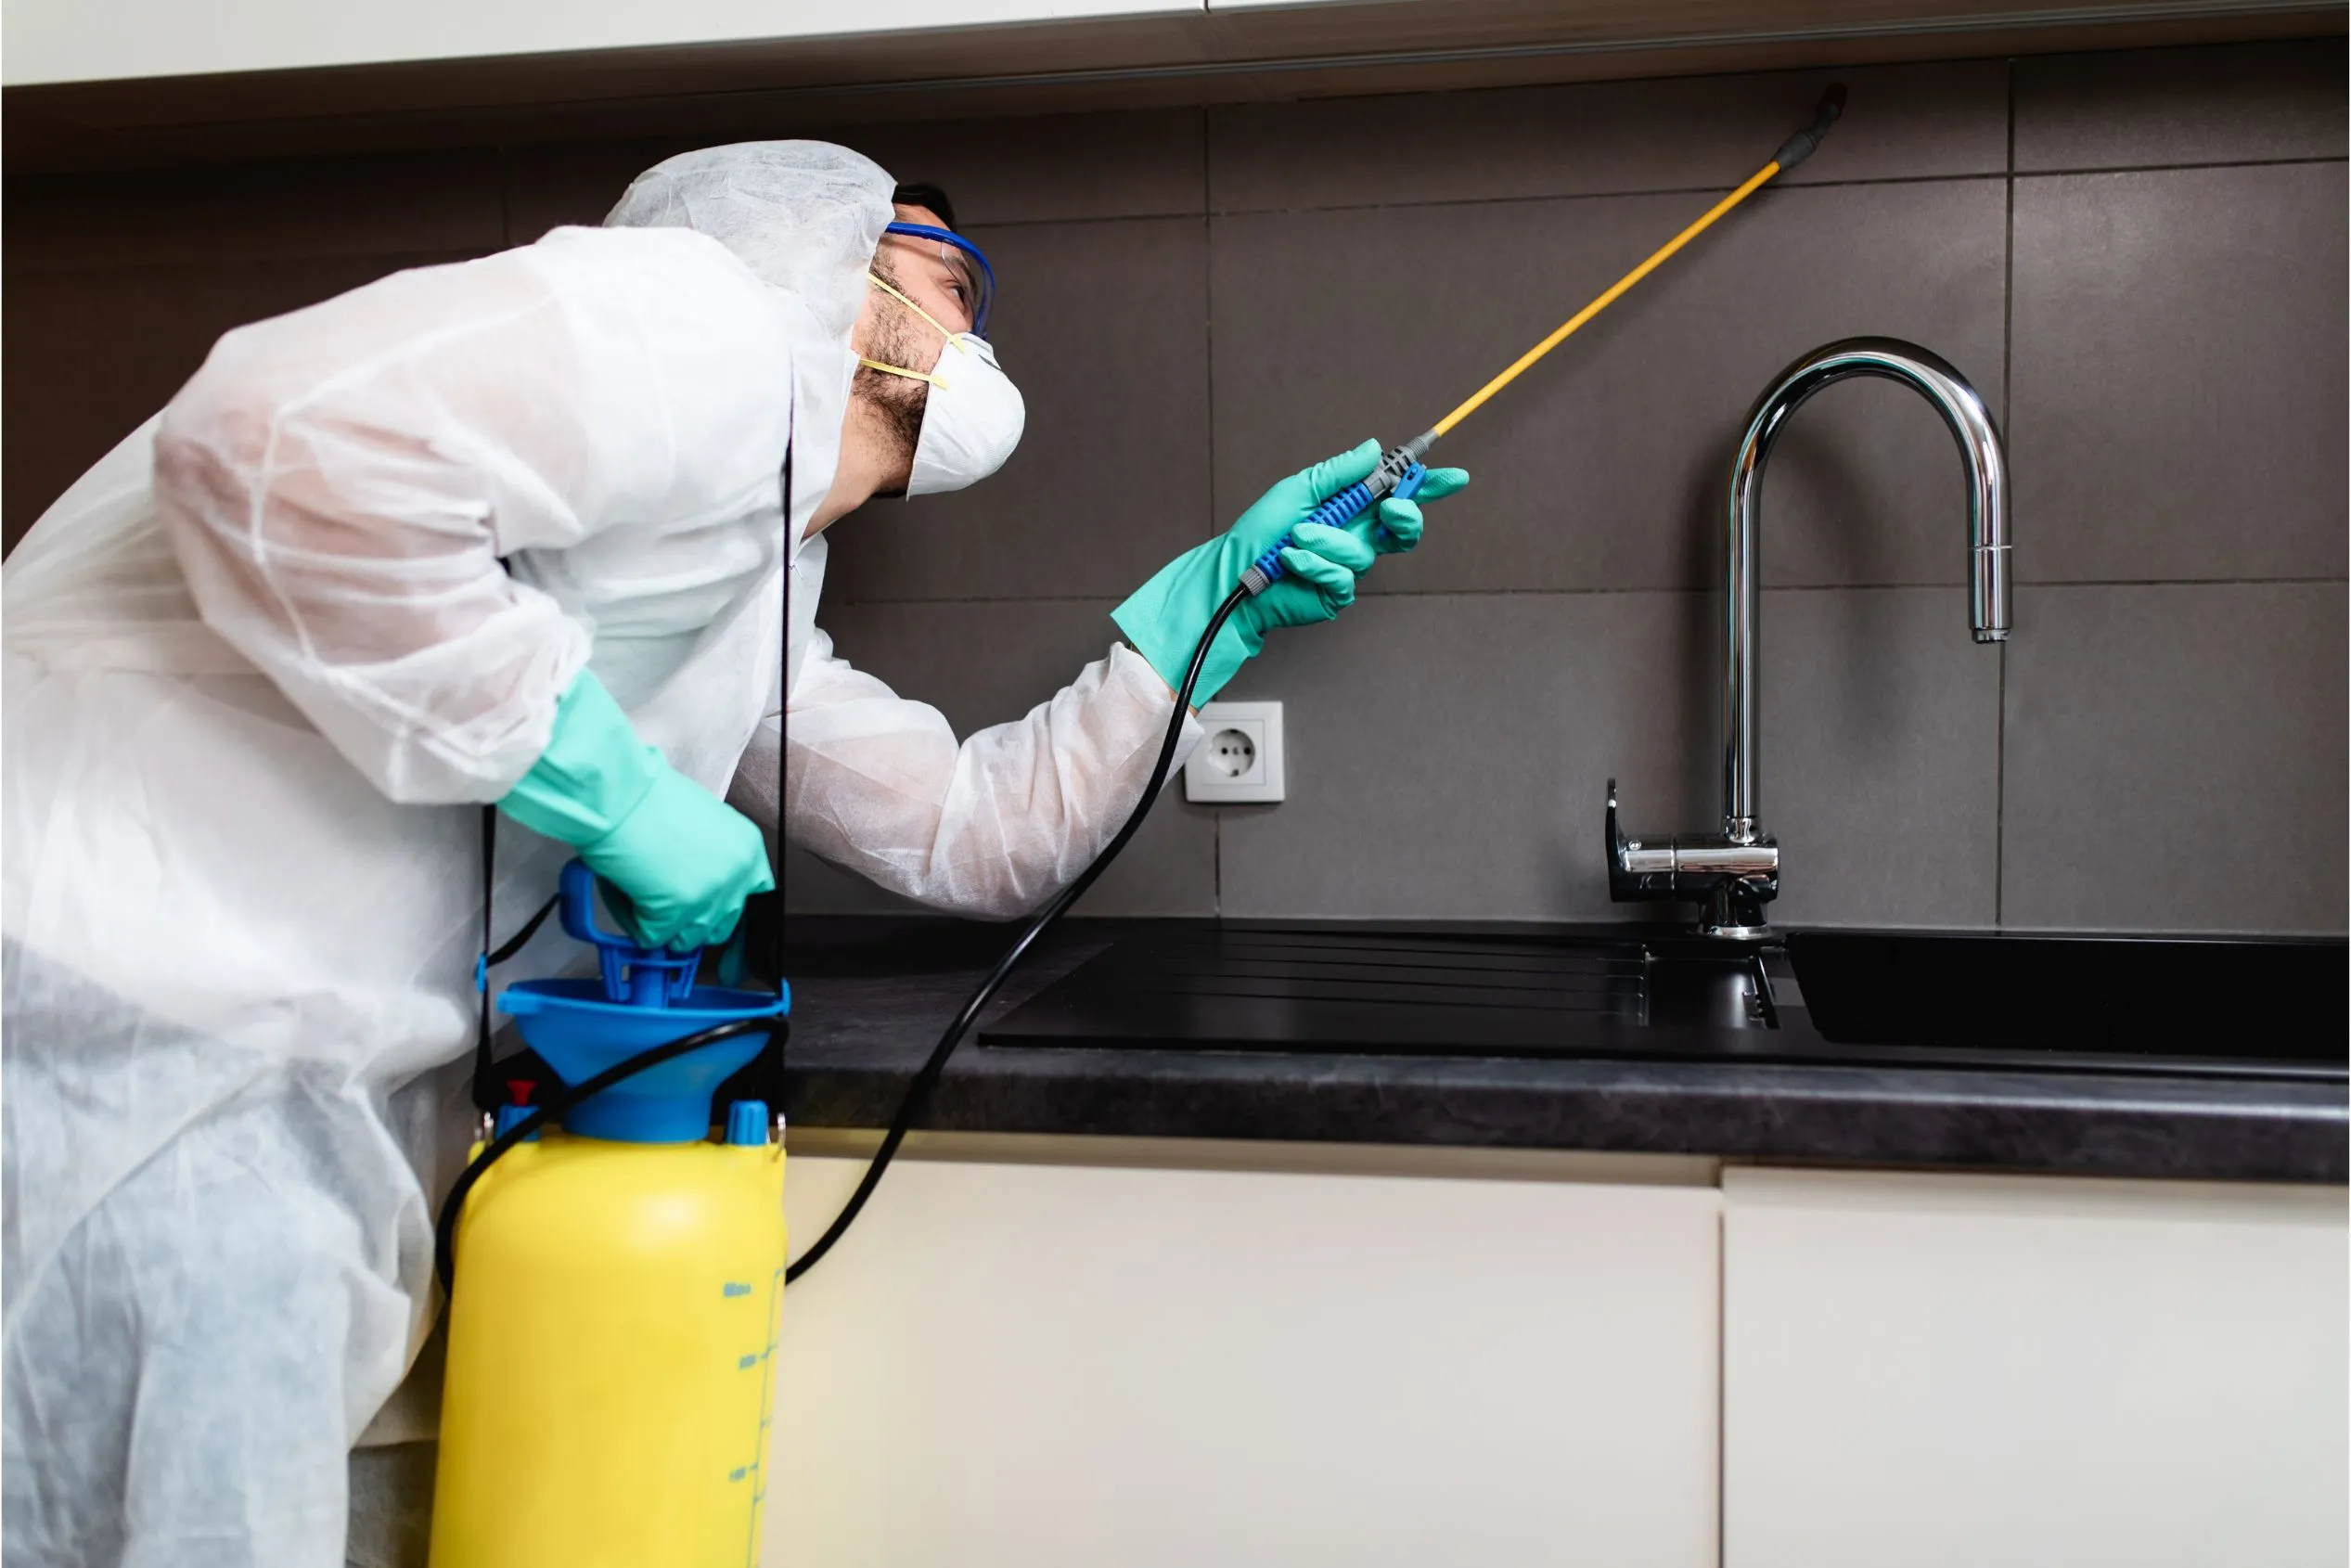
(973, 275)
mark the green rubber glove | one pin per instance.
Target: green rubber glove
(685, 859)
(1165, 616)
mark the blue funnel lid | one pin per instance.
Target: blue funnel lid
(641, 997)
(580, 1033)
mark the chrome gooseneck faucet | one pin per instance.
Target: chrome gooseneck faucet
(1736, 872)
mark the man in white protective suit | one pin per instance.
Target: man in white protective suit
(506, 532)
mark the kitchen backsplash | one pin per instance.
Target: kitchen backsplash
(2138, 258)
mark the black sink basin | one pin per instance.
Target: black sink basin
(2211, 997)
(2143, 1005)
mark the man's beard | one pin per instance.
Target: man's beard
(897, 339)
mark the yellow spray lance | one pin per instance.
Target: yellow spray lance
(1400, 471)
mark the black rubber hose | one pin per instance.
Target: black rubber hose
(561, 1099)
(919, 1092)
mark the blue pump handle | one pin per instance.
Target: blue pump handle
(645, 977)
(1337, 512)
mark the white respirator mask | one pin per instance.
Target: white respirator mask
(973, 415)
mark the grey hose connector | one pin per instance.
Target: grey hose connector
(1342, 508)
(1394, 464)
(1801, 145)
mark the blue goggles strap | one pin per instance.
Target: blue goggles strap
(985, 278)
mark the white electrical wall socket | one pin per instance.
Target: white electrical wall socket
(1238, 760)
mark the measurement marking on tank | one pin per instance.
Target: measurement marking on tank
(746, 1469)
(766, 1401)
(746, 1363)
(732, 1290)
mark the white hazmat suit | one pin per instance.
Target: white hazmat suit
(262, 667)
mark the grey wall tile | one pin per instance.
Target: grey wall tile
(2179, 396)
(551, 184)
(1038, 168)
(1594, 138)
(1049, 168)
(2141, 107)
(1881, 757)
(206, 215)
(1449, 755)
(983, 664)
(1104, 327)
(1606, 465)
(2176, 758)
(88, 356)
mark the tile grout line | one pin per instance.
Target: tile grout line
(41, 269)
(1208, 345)
(2007, 404)
(850, 603)
(2187, 168)
(2010, 173)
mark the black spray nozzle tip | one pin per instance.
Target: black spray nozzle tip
(1798, 148)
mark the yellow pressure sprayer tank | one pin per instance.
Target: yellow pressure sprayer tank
(615, 1287)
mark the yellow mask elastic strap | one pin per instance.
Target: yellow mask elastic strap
(900, 370)
(953, 341)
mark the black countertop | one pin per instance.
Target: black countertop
(871, 995)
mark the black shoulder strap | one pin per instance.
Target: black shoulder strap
(770, 1065)
(762, 1077)
(783, 752)
(485, 1092)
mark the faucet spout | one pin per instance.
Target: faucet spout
(1979, 451)
(1736, 872)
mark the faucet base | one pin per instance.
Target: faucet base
(1733, 876)
(1735, 906)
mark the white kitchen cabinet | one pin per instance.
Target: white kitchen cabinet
(1968, 1370)
(621, 50)
(1063, 1365)
(51, 41)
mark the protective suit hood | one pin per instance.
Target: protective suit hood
(805, 217)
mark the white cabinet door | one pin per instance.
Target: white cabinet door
(1071, 1367)
(1923, 1371)
(53, 41)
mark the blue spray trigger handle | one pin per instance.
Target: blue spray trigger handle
(1409, 485)
(635, 976)
(1399, 475)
